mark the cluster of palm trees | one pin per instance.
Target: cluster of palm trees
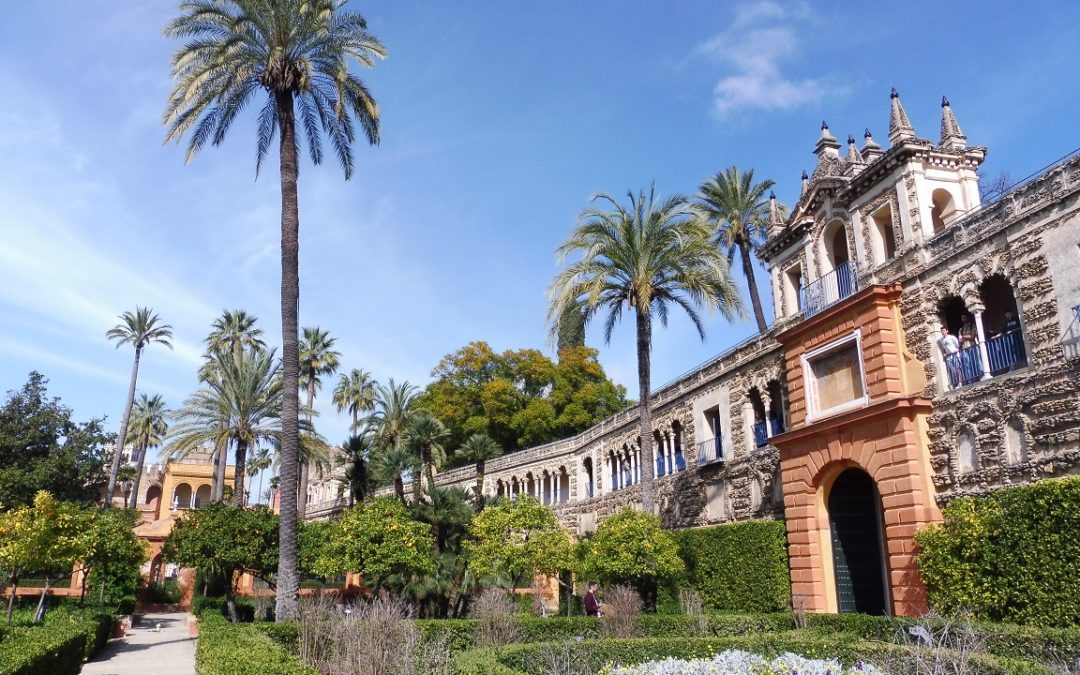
(651, 254)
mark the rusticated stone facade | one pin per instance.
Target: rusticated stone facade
(846, 414)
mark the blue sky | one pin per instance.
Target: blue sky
(499, 121)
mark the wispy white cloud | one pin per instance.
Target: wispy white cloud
(754, 51)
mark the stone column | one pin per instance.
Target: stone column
(669, 454)
(984, 354)
(633, 466)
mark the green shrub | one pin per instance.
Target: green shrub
(166, 592)
(91, 621)
(287, 635)
(43, 650)
(241, 649)
(1010, 556)
(741, 567)
(518, 659)
(245, 608)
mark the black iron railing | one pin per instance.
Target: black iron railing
(1004, 352)
(760, 435)
(829, 289)
(710, 451)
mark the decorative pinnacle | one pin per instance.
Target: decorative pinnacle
(851, 139)
(899, 126)
(804, 175)
(772, 195)
(894, 93)
(867, 133)
(951, 136)
(944, 102)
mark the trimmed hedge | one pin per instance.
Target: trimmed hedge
(742, 567)
(1012, 555)
(94, 624)
(56, 649)
(528, 659)
(241, 649)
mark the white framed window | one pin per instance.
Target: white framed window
(834, 377)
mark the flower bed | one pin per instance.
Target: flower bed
(737, 662)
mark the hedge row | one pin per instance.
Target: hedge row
(1009, 556)
(240, 649)
(56, 649)
(94, 624)
(457, 634)
(532, 659)
(742, 567)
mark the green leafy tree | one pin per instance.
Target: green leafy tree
(646, 256)
(478, 449)
(113, 551)
(378, 539)
(519, 398)
(737, 209)
(139, 329)
(631, 548)
(226, 540)
(317, 358)
(355, 394)
(242, 406)
(314, 538)
(298, 52)
(43, 448)
(146, 430)
(520, 537)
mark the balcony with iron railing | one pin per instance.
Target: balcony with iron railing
(710, 451)
(829, 289)
(982, 360)
(761, 436)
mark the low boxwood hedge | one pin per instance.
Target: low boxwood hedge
(51, 649)
(528, 659)
(241, 649)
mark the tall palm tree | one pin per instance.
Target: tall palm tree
(231, 333)
(146, 430)
(647, 256)
(259, 462)
(242, 407)
(317, 358)
(425, 436)
(139, 329)
(737, 209)
(479, 448)
(298, 52)
(355, 393)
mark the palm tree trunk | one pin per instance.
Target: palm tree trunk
(222, 452)
(479, 481)
(429, 471)
(751, 285)
(288, 582)
(262, 472)
(121, 439)
(644, 357)
(301, 494)
(399, 487)
(239, 472)
(138, 474)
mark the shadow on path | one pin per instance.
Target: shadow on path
(157, 643)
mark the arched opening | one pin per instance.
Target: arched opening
(943, 209)
(587, 466)
(758, 426)
(202, 496)
(1001, 322)
(182, 497)
(837, 246)
(564, 485)
(500, 488)
(153, 494)
(855, 526)
(838, 282)
(676, 439)
(967, 459)
(884, 236)
(155, 569)
(777, 412)
(755, 494)
(530, 485)
(961, 355)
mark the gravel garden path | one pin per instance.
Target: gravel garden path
(146, 649)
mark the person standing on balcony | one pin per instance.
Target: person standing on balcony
(1014, 341)
(969, 357)
(950, 350)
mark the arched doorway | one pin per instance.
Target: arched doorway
(858, 552)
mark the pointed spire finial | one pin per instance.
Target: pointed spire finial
(871, 150)
(776, 215)
(899, 126)
(805, 183)
(951, 136)
(853, 154)
(867, 135)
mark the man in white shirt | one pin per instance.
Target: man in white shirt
(950, 349)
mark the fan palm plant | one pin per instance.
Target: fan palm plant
(298, 52)
(391, 464)
(737, 209)
(146, 430)
(424, 437)
(479, 448)
(242, 406)
(394, 407)
(647, 256)
(138, 329)
(355, 393)
(355, 460)
(317, 358)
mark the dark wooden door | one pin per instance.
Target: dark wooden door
(855, 525)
